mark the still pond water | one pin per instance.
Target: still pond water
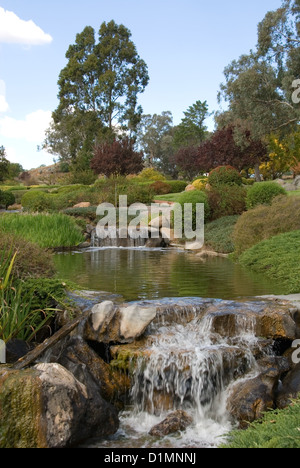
(138, 274)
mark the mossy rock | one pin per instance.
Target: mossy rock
(21, 402)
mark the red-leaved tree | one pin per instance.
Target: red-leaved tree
(222, 150)
(117, 158)
(186, 160)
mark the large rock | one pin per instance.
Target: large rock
(174, 422)
(248, 400)
(262, 319)
(47, 407)
(290, 388)
(109, 323)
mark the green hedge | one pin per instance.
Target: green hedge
(263, 193)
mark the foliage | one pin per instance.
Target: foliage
(222, 149)
(117, 158)
(18, 318)
(154, 136)
(218, 234)
(83, 177)
(109, 190)
(48, 231)
(31, 261)
(277, 429)
(160, 188)
(192, 131)
(149, 173)
(277, 258)
(4, 164)
(224, 175)
(186, 160)
(177, 186)
(259, 86)
(88, 214)
(194, 198)
(98, 90)
(264, 222)
(226, 200)
(37, 201)
(7, 199)
(200, 184)
(281, 159)
(263, 193)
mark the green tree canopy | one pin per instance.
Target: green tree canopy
(98, 92)
(4, 164)
(192, 130)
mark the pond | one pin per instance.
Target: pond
(139, 273)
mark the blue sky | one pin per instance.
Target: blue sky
(185, 43)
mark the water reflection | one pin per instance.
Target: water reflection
(152, 274)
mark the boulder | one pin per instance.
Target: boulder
(190, 188)
(109, 323)
(248, 400)
(177, 421)
(82, 205)
(289, 389)
(159, 222)
(47, 407)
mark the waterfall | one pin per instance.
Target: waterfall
(118, 238)
(187, 365)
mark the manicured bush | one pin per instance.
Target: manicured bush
(262, 193)
(37, 201)
(264, 222)
(151, 174)
(226, 200)
(160, 188)
(194, 197)
(277, 258)
(200, 184)
(177, 186)
(7, 199)
(224, 175)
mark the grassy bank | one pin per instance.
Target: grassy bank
(278, 429)
(46, 230)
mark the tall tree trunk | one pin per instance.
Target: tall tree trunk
(257, 173)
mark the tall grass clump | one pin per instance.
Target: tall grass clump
(18, 318)
(46, 230)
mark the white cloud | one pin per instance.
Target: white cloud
(3, 104)
(14, 30)
(31, 129)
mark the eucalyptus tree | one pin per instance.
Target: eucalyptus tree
(98, 92)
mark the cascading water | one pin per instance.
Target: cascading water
(112, 237)
(186, 365)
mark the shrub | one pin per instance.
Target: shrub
(226, 200)
(151, 174)
(277, 429)
(109, 190)
(37, 201)
(177, 186)
(194, 197)
(262, 193)
(224, 175)
(200, 184)
(31, 261)
(160, 188)
(218, 234)
(7, 199)
(265, 221)
(277, 258)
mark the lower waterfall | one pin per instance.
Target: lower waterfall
(186, 365)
